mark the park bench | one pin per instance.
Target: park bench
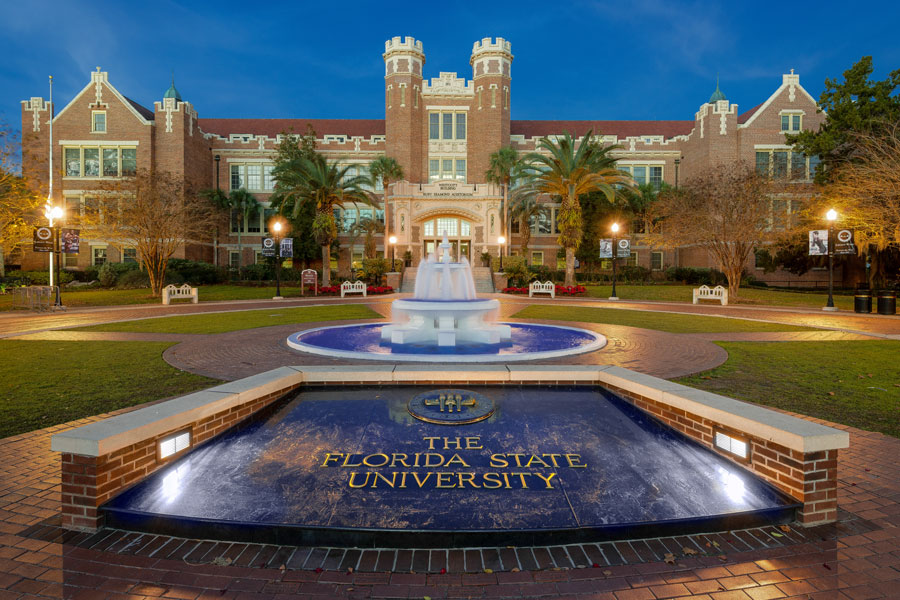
(537, 287)
(357, 287)
(170, 292)
(704, 292)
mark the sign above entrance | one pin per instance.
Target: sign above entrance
(446, 189)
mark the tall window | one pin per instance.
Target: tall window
(237, 177)
(98, 121)
(785, 163)
(268, 179)
(447, 168)
(98, 256)
(129, 255)
(434, 126)
(460, 126)
(253, 177)
(643, 174)
(791, 122)
(446, 125)
(103, 161)
(656, 261)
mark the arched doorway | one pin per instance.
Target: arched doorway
(458, 231)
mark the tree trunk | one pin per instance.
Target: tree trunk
(326, 265)
(570, 267)
(2, 263)
(733, 274)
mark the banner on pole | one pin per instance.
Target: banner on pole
(624, 250)
(43, 239)
(268, 247)
(818, 242)
(844, 242)
(70, 241)
(287, 248)
(606, 248)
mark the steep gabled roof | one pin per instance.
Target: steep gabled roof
(145, 112)
(621, 129)
(273, 127)
(745, 116)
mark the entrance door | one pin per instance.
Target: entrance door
(464, 251)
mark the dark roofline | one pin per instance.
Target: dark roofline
(145, 112)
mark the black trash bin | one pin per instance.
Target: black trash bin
(862, 302)
(887, 302)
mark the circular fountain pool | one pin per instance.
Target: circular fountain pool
(527, 342)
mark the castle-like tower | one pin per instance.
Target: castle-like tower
(403, 111)
(489, 116)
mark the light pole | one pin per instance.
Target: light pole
(276, 227)
(831, 215)
(54, 213)
(392, 241)
(501, 240)
(615, 255)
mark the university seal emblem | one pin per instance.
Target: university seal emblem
(451, 407)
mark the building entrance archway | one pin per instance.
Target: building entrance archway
(458, 232)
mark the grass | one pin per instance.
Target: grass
(52, 382)
(208, 293)
(754, 296)
(855, 383)
(650, 320)
(233, 321)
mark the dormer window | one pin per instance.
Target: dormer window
(791, 122)
(98, 121)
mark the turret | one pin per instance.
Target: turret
(489, 117)
(404, 120)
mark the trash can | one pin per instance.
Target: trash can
(887, 302)
(862, 302)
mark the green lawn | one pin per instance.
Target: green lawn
(650, 320)
(233, 321)
(855, 383)
(755, 296)
(208, 293)
(54, 382)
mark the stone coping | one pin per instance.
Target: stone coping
(103, 437)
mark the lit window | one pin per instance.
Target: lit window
(429, 228)
(98, 121)
(447, 226)
(92, 162)
(98, 257)
(110, 162)
(237, 177)
(174, 444)
(268, 179)
(537, 259)
(129, 161)
(356, 260)
(632, 259)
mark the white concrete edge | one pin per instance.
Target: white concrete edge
(114, 433)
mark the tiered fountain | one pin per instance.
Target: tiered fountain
(445, 318)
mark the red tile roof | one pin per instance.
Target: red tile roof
(272, 127)
(621, 129)
(744, 117)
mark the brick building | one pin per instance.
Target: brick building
(442, 131)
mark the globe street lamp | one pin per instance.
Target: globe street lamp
(392, 241)
(501, 240)
(615, 254)
(277, 227)
(54, 213)
(831, 215)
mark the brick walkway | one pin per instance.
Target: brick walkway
(858, 558)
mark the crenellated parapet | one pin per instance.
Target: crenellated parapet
(403, 55)
(491, 57)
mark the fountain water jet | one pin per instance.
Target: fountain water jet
(444, 309)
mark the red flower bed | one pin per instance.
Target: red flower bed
(561, 290)
(372, 289)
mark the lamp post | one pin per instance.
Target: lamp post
(392, 241)
(831, 215)
(615, 254)
(501, 240)
(54, 213)
(677, 162)
(276, 227)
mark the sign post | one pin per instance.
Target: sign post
(309, 277)
(43, 239)
(843, 244)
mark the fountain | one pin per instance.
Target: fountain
(444, 309)
(445, 318)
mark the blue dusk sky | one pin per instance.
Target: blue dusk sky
(642, 59)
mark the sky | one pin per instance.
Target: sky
(640, 59)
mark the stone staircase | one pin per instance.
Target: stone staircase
(481, 275)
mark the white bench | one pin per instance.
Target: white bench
(704, 292)
(357, 287)
(537, 287)
(170, 292)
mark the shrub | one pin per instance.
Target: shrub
(197, 272)
(634, 273)
(18, 278)
(110, 272)
(541, 272)
(373, 269)
(695, 275)
(516, 270)
(132, 280)
(90, 273)
(259, 272)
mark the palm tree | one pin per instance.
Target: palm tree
(568, 172)
(502, 171)
(389, 171)
(241, 202)
(325, 185)
(524, 206)
(366, 228)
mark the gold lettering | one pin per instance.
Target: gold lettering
(492, 478)
(470, 477)
(547, 479)
(522, 477)
(457, 459)
(430, 441)
(403, 480)
(347, 458)
(441, 477)
(367, 462)
(329, 456)
(506, 479)
(416, 463)
(471, 443)
(534, 457)
(428, 460)
(395, 460)
(390, 482)
(448, 441)
(422, 482)
(553, 458)
(498, 461)
(518, 459)
(353, 477)
(574, 460)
